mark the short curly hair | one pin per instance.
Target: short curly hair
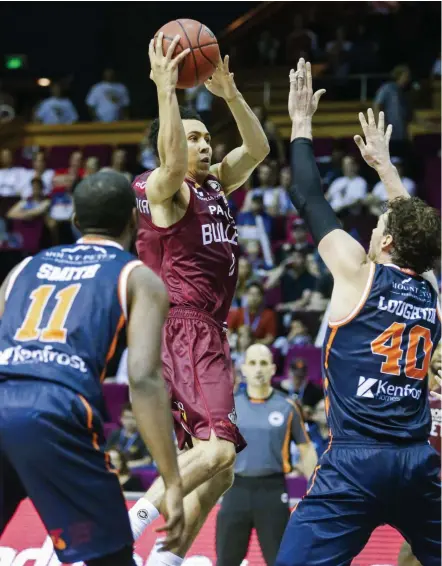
(416, 231)
(185, 113)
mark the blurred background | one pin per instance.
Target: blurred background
(75, 97)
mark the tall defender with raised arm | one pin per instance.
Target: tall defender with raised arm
(384, 325)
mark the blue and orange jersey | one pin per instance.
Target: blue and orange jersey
(375, 362)
(64, 313)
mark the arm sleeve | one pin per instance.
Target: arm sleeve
(306, 191)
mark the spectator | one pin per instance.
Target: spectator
(282, 204)
(241, 341)
(118, 164)
(128, 441)
(128, 482)
(262, 321)
(252, 250)
(56, 109)
(92, 166)
(338, 54)
(268, 47)
(318, 428)
(364, 54)
(436, 69)
(146, 156)
(66, 179)
(7, 106)
(300, 388)
(330, 166)
(296, 282)
(298, 336)
(348, 191)
(12, 179)
(277, 151)
(322, 292)
(29, 217)
(201, 100)
(265, 189)
(253, 218)
(245, 273)
(393, 99)
(301, 42)
(378, 196)
(108, 101)
(39, 170)
(300, 237)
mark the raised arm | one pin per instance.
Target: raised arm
(376, 153)
(148, 306)
(167, 180)
(342, 254)
(240, 163)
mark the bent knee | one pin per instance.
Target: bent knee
(221, 455)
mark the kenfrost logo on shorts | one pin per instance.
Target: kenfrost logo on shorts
(371, 388)
(17, 355)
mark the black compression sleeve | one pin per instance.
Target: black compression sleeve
(306, 191)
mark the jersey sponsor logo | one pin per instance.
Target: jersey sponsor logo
(407, 310)
(371, 388)
(217, 232)
(55, 273)
(218, 209)
(214, 185)
(276, 419)
(17, 355)
(67, 256)
(419, 291)
(85, 248)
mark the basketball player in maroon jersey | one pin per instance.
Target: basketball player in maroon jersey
(188, 237)
(406, 557)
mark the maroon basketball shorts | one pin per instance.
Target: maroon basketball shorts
(198, 372)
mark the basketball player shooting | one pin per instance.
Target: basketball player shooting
(384, 325)
(187, 235)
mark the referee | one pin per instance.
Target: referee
(268, 420)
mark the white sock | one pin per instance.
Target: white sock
(159, 558)
(142, 514)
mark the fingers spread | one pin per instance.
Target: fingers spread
(359, 142)
(172, 47)
(388, 133)
(181, 56)
(364, 124)
(226, 63)
(309, 77)
(371, 120)
(381, 124)
(159, 43)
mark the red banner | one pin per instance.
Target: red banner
(25, 543)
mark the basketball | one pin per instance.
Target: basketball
(199, 65)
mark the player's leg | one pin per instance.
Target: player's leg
(333, 522)
(418, 515)
(12, 491)
(270, 516)
(234, 525)
(54, 441)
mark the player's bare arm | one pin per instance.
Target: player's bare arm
(6, 283)
(168, 179)
(376, 153)
(239, 164)
(148, 303)
(308, 457)
(344, 256)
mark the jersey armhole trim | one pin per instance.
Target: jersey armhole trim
(122, 283)
(14, 276)
(361, 303)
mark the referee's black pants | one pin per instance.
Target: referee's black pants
(259, 503)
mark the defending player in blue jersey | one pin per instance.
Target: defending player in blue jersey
(63, 312)
(384, 324)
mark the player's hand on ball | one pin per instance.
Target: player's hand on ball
(174, 514)
(439, 381)
(222, 82)
(303, 102)
(374, 150)
(164, 71)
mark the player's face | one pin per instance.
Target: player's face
(379, 240)
(198, 147)
(254, 297)
(258, 368)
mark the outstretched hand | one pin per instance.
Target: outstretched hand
(164, 71)
(222, 81)
(303, 102)
(375, 149)
(439, 381)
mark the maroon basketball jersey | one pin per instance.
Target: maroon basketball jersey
(436, 423)
(196, 257)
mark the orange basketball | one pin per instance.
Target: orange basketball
(199, 65)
